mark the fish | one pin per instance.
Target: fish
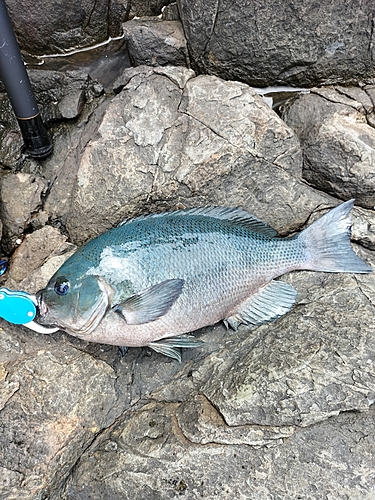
(155, 279)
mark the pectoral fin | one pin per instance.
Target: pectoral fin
(150, 304)
(269, 303)
(171, 346)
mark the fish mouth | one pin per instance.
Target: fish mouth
(42, 306)
(42, 311)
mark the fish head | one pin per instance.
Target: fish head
(74, 304)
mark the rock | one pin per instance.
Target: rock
(60, 95)
(48, 27)
(201, 423)
(269, 43)
(268, 391)
(21, 198)
(203, 141)
(142, 8)
(37, 432)
(145, 457)
(60, 168)
(338, 143)
(170, 12)
(363, 230)
(36, 248)
(155, 42)
(10, 134)
(39, 278)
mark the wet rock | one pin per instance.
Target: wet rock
(48, 27)
(338, 143)
(21, 197)
(303, 45)
(155, 42)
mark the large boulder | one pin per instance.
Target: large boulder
(170, 139)
(156, 42)
(276, 42)
(50, 27)
(338, 141)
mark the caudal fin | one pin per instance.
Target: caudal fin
(327, 243)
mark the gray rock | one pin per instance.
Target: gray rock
(145, 457)
(155, 42)
(10, 134)
(338, 143)
(35, 249)
(38, 279)
(203, 141)
(60, 169)
(201, 423)
(21, 197)
(279, 380)
(49, 27)
(61, 95)
(273, 42)
(42, 436)
(142, 8)
(170, 12)
(363, 230)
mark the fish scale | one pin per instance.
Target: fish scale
(164, 275)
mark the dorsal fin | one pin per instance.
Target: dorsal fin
(236, 215)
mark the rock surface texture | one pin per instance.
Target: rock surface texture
(338, 141)
(50, 28)
(281, 412)
(276, 42)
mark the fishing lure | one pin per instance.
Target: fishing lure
(20, 308)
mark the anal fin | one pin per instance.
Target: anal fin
(171, 346)
(272, 301)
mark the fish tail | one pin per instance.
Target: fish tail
(327, 243)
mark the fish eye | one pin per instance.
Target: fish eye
(62, 286)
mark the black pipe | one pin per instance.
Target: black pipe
(18, 87)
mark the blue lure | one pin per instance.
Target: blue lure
(16, 307)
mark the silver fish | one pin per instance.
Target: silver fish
(154, 278)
